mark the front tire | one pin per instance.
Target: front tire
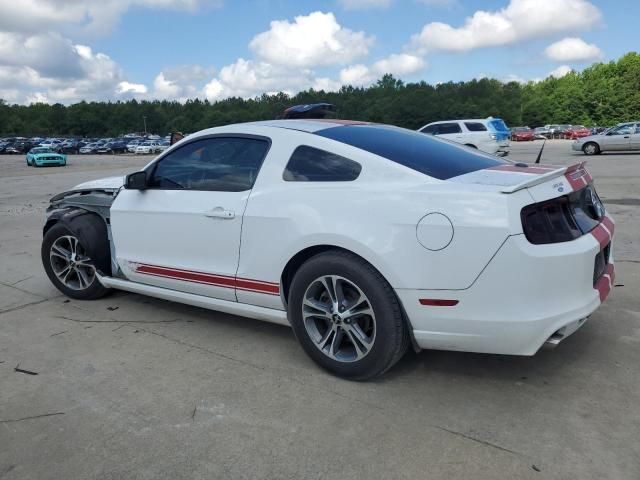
(68, 265)
(346, 316)
(591, 148)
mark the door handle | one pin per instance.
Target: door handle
(626, 136)
(220, 212)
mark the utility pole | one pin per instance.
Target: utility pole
(144, 118)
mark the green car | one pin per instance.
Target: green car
(44, 157)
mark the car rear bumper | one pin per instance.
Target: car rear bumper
(527, 295)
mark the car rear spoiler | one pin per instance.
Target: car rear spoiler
(573, 173)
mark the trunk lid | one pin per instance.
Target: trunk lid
(542, 181)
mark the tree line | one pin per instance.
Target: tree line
(602, 94)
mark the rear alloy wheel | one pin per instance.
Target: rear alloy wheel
(69, 266)
(591, 148)
(346, 316)
(339, 319)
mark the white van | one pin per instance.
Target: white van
(490, 134)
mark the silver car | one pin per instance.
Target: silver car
(624, 136)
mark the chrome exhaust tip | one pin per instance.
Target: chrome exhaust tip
(554, 340)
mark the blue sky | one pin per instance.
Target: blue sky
(69, 50)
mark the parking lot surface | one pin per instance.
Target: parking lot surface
(134, 387)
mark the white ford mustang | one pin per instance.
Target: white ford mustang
(364, 238)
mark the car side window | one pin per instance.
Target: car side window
(445, 128)
(308, 164)
(622, 130)
(430, 129)
(475, 127)
(222, 164)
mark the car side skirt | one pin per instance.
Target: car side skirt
(225, 306)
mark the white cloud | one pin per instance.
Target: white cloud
(127, 87)
(364, 4)
(395, 64)
(356, 75)
(326, 84)
(518, 21)
(573, 49)
(49, 66)
(311, 40)
(248, 78)
(92, 15)
(181, 83)
(561, 71)
(399, 64)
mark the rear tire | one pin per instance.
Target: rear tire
(346, 316)
(591, 148)
(470, 145)
(68, 266)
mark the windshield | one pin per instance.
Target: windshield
(40, 150)
(424, 153)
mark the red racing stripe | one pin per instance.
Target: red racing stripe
(605, 282)
(223, 281)
(603, 233)
(577, 176)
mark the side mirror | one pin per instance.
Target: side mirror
(136, 181)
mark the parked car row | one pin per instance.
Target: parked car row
(22, 145)
(622, 137)
(569, 132)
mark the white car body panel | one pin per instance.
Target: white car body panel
(511, 295)
(178, 233)
(482, 140)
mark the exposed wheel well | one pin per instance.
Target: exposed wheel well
(298, 259)
(91, 229)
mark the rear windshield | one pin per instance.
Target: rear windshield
(428, 155)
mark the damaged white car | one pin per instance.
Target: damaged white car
(364, 238)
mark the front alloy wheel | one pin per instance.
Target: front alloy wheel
(69, 265)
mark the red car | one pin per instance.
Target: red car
(522, 134)
(577, 131)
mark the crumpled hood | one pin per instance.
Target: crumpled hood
(108, 183)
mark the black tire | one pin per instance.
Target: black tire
(391, 338)
(587, 150)
(95, 289)
(470, 145)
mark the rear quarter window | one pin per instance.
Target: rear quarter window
(426, 154)
(308, 164)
